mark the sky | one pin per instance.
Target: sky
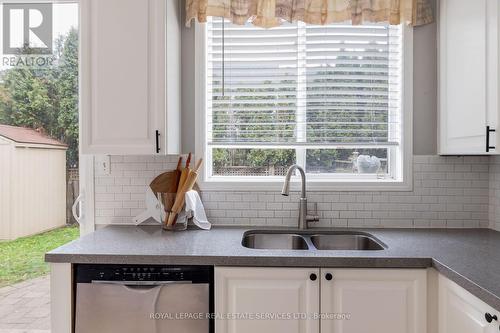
(65, 17)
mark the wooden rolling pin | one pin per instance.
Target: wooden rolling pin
(181, 193)
(184, 173)
(179, 164)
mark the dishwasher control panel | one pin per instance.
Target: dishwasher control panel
(86, 273)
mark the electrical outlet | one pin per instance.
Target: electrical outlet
(102, 165)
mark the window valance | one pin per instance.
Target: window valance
(271, 13)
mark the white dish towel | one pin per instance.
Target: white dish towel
(196, 210)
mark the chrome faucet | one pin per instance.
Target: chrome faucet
(304, 219)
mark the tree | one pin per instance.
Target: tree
(67, 92)
(46, 98)
(27, 102)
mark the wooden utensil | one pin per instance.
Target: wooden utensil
(166, 182)
(179, 164)
(168, 200)
(185, 172)
(181, 193)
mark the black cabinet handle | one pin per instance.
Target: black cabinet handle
(157, 141)
(488, 131)
(328, 277)
(313, 277)
(489, 318)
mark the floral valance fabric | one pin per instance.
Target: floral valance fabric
(271, 13)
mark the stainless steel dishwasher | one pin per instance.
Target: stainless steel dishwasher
(143, 298)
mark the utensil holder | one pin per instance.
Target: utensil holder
(178, 226)
(167, 201)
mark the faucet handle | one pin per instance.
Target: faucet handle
(315, 217)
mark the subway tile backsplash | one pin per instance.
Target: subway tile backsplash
(448, 192)
(495, 193)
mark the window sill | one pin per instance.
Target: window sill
(275, 185)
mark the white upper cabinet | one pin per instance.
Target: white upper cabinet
(129, 90)
(377, 300)
(468, 76)
(267, 291)
(461, 312)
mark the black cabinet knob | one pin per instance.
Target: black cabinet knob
(328, 276)
(313, 277)
(489, 318)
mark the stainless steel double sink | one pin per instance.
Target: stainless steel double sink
(307, 240)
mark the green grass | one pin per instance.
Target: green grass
(23, 258)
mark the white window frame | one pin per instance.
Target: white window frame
(320, 183)
(85, 205)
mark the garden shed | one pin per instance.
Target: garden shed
(32, 182)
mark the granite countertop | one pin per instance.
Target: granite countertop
(470, 257)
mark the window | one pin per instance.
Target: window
(329, 98)
(39, 71)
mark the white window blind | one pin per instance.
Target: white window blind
(317, 96)
(304, 86)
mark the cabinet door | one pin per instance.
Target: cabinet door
(373, 300)
(468, 76)
(462, 312)
(278, 295)
(123, 76)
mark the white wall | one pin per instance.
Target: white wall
(425, 90)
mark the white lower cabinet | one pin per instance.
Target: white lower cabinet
(462, 312)
(376, 300)
(252, 292)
